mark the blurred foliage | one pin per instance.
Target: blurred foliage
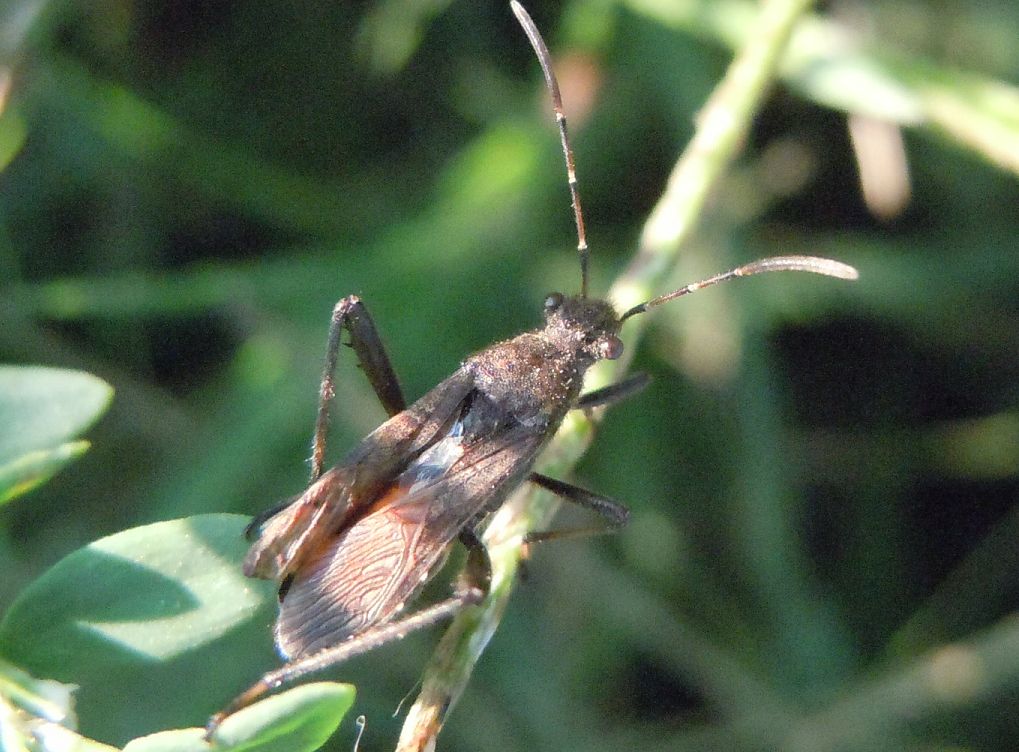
(823, 477)
(42, 412)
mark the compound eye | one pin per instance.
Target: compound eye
(553, 302)
(610, 347)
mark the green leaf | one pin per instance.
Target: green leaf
(144, 614)
(42, 410)
(35, 468)
(176, 740)
(299, 720)
(42, 407)
(145, 594)
(51, 736)
(13, 734)
(43, 698)
(39, 714)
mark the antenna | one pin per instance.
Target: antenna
(534, 36)
(811, 264)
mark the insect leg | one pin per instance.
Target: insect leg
(253, 528)
(613, 393)
(337, 654)
(614, 513)
(351, 314)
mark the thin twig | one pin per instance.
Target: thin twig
(721, 130)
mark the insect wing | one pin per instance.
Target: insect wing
(284, 536)
(299, 530)
(365, 575)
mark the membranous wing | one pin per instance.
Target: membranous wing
(289, 536)
(364, 575)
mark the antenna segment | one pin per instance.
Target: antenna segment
(534, 36)
(812, 264)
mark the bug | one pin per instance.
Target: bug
(363, 538)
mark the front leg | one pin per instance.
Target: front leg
(351, 314)
(609, 395)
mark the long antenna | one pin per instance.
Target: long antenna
(560, 117)
(811, 264)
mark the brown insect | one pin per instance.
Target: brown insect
(360, 542)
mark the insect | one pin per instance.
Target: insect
(363, 538)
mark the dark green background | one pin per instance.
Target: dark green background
(822, 476)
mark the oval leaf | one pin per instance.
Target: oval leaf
(177, 740)
(41, 408)
(35, 468)
(144, 614)
(298, 720)
(41, 411)
(41, 698)
(52, 736)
